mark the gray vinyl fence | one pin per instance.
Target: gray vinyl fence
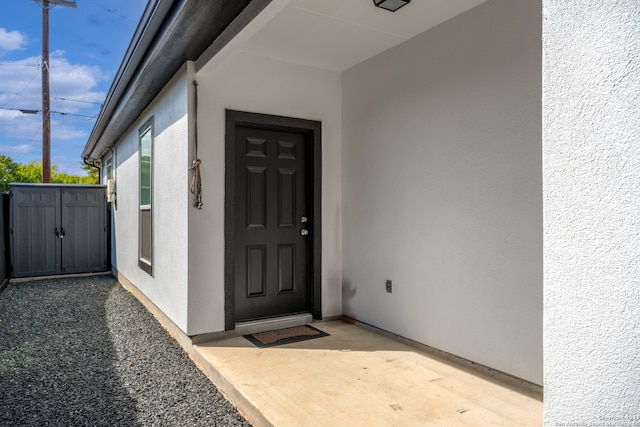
(4, 239)
(57, 229)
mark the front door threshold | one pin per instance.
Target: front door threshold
(263, 325)
(254, 327)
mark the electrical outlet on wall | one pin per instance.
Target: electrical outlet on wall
(389, 286)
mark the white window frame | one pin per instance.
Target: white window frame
(145, 261)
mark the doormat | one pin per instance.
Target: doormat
(285, 336)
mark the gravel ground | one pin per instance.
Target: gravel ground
(84, 351)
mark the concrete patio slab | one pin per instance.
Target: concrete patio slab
(357, 377)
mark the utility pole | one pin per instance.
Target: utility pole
(46, 97)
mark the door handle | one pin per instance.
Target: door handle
(304, 231)
(60, 235)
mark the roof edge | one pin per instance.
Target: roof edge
(170, 33)
(151, 21)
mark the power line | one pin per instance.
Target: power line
(54, 90)
(22, 110)
(54, 97)
(15, 64)
(62, 113)
(53, 3)
(23, 89)
(77, 100)
(74, 114)
(108, 10)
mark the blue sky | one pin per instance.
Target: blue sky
(86, 47)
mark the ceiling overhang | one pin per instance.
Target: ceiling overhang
(335, 35)
(332, 35)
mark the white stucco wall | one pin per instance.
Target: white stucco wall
(442, 188)
(259, 85)
(167, 289)
(591, 134)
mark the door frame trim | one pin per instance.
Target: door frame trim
(314, 165)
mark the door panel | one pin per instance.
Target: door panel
(83, 219)
(35, 220)
(271, 254)
(287, 198)
(286, 268)
(256, 208)
(256, 271)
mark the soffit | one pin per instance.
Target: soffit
(338, 34)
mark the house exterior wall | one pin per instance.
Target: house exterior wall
(591, 164)
(167, 288)
(442, 188)
(259, 85)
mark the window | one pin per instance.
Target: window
(145, 219)
(109, 169)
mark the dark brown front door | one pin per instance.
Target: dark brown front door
(272, 216)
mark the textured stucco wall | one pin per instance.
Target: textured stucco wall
(259, 85)
(167, 289)
(443, 188)
(591, 163)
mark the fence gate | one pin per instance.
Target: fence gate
(57, 229)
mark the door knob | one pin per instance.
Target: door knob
(304, 232)
(304, 219)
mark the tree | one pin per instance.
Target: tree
(93, 174)
(11, 171)
(8, 170)
(31, 172)
(63, 178)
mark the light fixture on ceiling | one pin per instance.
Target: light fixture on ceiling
(391, 5)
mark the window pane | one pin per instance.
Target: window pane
(145, 169)
(145, 235)
(145, 248)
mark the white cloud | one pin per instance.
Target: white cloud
(63, 132)
(20, 84)
(8, 115)
(72, 90)
(17, 149)
(74, 82)
(11, 40)
(15, 125)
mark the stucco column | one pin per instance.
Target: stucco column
(591, 173)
